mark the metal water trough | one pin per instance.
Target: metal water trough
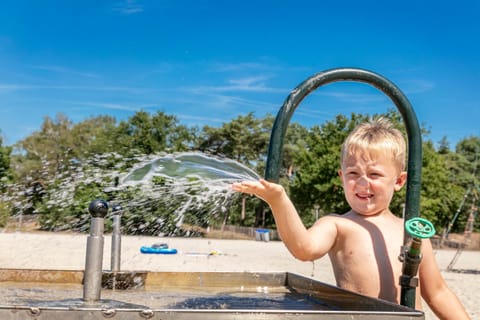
(53, 295)
(117, 294)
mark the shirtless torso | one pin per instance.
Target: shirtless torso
(365, 255)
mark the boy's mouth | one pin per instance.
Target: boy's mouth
(364, 196)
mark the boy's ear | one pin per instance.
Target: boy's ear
(339, 172)
(401, 179)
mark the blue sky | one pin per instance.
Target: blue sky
(207, 62)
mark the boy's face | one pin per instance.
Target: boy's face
(369, 182)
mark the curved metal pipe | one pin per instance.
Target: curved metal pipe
(414, 167)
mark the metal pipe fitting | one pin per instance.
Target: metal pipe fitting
(408, 279)
(92, 282)
(116, 250)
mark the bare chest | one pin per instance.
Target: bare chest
(365, 259)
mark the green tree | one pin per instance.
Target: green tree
(295, 142)
(5, 169)
(39, 157)
(94, 135)
(244, 139)
(439, 195)
(50, 161)
(5, 178)
(146, 134)
(463, 166)
(45, 150)
(444, 146)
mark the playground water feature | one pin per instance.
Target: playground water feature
(190, 295)
(57, 294)
(299, 297)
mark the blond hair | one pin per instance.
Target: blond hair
(376, 136)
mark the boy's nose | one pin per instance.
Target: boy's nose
(362, 181)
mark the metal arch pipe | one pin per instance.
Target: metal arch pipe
(414, 166)
(359, 75)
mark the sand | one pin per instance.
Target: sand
(67, 252)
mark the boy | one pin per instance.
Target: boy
(364, 243)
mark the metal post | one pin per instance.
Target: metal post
(316, 207)
(408, 279)
(116, 250)
(92, 282)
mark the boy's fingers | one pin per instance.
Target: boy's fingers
(264, 182)
(243, 186)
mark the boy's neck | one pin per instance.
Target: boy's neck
(381, 214)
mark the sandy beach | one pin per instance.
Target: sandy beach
(67, 252)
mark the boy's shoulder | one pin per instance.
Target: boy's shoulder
(338, 219)
(351, 219)
(339, 216)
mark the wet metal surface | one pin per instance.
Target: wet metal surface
(222, 295)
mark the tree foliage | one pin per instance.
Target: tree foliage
(5, 169)
(244, 139)
(36, 173)
(6, 177)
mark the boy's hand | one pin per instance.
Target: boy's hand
(263, 189)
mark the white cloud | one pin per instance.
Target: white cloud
(248, 81)
(417, 86)
(60, 69)
(128, 7)
(13, 87)
(113, 106)
(236, 85)
(17, 87)
(199, 119)
(226, 67)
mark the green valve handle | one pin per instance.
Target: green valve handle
(420, 228)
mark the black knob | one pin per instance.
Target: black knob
(98, 208)
(117, 209)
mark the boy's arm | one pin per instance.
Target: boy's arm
(443, 302)
(305, 245)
